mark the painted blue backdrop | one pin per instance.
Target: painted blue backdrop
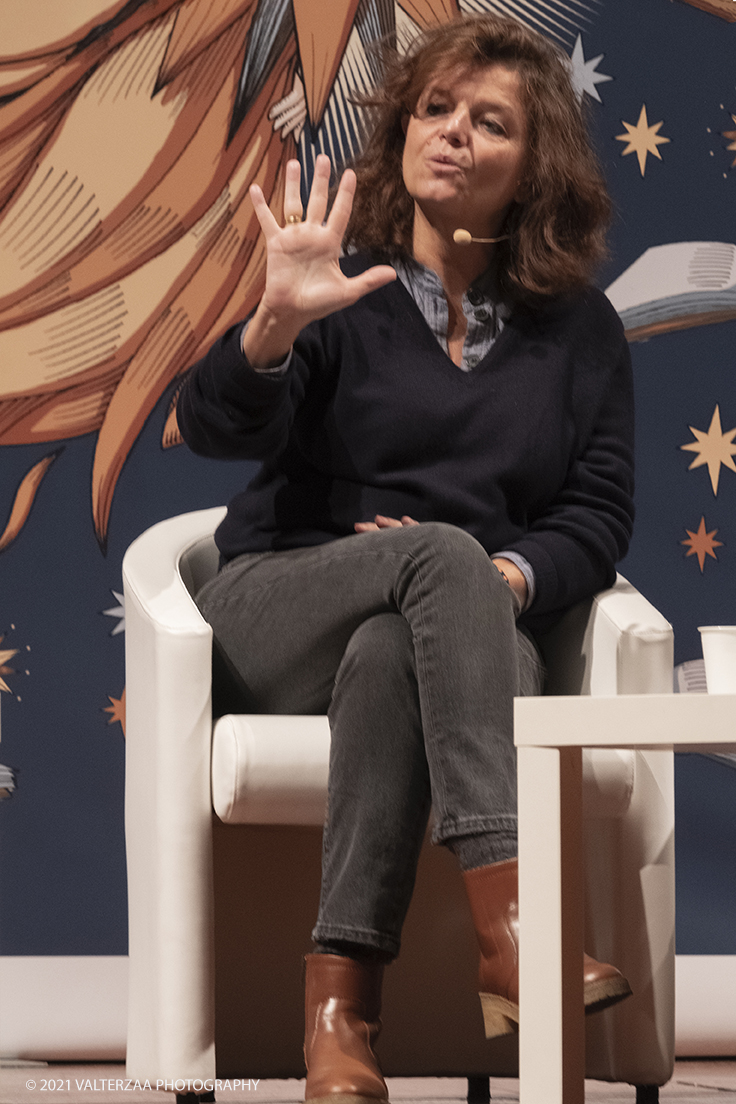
(63, 864)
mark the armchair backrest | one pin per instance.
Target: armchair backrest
(198, 563)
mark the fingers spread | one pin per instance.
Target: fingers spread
(292, 191)
(263, 212)
(317, 206)
(343, 205)
(374, 278)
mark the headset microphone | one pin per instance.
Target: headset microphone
(464, 237)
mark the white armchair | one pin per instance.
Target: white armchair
(221, 907)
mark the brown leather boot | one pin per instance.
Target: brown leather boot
(494, 904)
(343, 1007)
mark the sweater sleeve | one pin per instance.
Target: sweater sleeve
(576, 541)
(227, 410)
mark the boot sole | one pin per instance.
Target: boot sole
(605, 993)
(501, 1016)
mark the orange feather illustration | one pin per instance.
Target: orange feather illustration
(128, 142)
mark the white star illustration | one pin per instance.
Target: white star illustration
(117, 611)
(582, 73)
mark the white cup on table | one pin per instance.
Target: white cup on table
(719, 653)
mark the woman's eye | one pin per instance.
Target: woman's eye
(435, 107)
(493, 126)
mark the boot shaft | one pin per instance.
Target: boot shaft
(343, 1005)
(343, 985)
(494, 905)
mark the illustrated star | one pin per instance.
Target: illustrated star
(714, 448)
(642, 139)
(582, 73)
(732, 135)
(116, 709)
(702, 544)
(117, 611)
(5, 655)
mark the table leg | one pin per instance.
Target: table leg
(552, 1030)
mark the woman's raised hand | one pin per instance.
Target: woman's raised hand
(304, 281)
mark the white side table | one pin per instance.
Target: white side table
(550, 733)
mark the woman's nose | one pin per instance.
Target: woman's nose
(457, 127)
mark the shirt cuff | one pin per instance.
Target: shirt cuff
(277, 369)
(526, 570)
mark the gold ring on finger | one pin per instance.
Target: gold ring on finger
(293, 220)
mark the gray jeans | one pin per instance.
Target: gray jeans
(407, 639)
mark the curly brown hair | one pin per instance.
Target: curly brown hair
(557, 230)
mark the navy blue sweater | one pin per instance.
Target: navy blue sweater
(532, 451)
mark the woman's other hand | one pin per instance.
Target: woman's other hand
(381, 522)
(304, 280)
(511, 573)
(514, 577)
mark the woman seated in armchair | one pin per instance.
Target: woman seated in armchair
(444, 420)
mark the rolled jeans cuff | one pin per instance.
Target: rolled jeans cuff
(501, 831)
(365, 937)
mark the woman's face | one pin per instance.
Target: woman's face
(465, 148)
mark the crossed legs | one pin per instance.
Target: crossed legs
(408, 638)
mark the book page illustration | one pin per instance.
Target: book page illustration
(676, 286)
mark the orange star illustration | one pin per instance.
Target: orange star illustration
(714, 448)
(701, 544)
(642, 139)
(116, 710)
(732, 146)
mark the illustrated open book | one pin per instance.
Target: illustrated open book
(689, 678)
(675, 286)
(7, 782)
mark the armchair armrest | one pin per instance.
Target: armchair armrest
(616, 643)
(168, 812)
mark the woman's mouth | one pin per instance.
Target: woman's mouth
(442, 163)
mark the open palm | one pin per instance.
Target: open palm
(304, 281)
